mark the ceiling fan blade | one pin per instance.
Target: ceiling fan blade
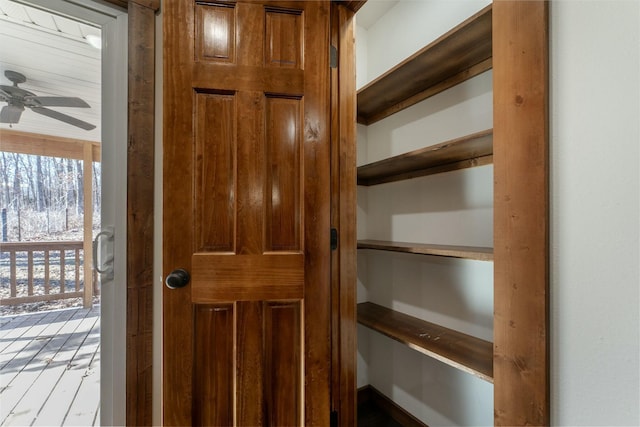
(63, 117)
(57, 101)
(4, 96)
(11, 114)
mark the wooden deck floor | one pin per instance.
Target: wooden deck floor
(50, 368)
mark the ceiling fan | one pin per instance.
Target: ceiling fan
(18, 99)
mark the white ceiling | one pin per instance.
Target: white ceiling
(54, 55)
(372, 11)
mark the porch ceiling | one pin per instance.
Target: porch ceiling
(53, 53)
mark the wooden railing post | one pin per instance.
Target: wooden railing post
(77, 265)
(46, 272)
(30, 273)
(12, 263)
(63, 270)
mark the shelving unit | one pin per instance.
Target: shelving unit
(459, 350)
(465, 252)
(516, 44)
(469, 151)
(458, 55)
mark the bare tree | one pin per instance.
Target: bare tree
(97, 178)
(4, 172)
(40, 199)
(44, 195)
(28, 197)
(79, 188)
(17, 192)
(71, 185)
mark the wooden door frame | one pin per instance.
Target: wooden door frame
(518, 358)
(140, 189)
(521, 213)
(140, 213)
(343, 215)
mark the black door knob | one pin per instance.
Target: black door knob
(177, 279)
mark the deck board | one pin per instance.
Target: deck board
(23, 349)
(37, 379)
(19, 327)
(52, 370)
(14, 321)
(85, 404)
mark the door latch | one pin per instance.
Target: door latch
(104, 263)
(334, 239)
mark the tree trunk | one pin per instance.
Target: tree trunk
(59, 200)
(79, 188)
(6, 197)
(97, 189)
(40, 199)
(70, 184)
(29, 199)
(17, 193)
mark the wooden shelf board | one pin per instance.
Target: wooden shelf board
(458, 55)
(465, 252)
(465, 152)
(464, 352)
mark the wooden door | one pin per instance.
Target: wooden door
(246, 212)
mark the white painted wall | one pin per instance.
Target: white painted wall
(595, 115)
(595, 110)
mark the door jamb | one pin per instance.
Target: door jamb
(140, 207)
(343, 216)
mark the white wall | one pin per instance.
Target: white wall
(595, 114)
(449, 208)
(595, 192)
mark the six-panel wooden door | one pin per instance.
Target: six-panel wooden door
(246, 211)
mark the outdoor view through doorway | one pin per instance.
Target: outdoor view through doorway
(50, 204)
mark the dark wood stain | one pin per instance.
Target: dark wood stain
(468, 151)
(454, 348)
(451, 251)
(140, 189)
(255, 145)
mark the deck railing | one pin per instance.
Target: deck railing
(42, 271)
